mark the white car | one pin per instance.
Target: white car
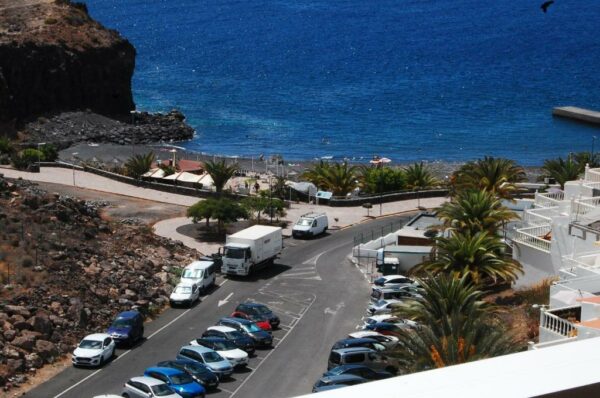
(382, 307)
(94, 350)
(380, 318)
(147, 387)
(394, 280)
(226, 348)
(184, 294)
(387, 341)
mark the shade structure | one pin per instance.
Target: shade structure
(206, 180)
(155, 173)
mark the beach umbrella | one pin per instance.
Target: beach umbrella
(385, 160)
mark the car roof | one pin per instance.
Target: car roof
(150, 381)
(163, 370)
(212, 339)
(185, 283)
(128, 314)
(198, 348)
(224, 329)
(350, 350)
(361, 334)
(342, 377)
(199, 264)
(96, 336)
(253, 304)
(241, 321)
(357, 340)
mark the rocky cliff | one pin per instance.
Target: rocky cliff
(54, 57)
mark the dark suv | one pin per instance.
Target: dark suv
(250, 329)
(258, 311)
(242, 341)
(127, 328)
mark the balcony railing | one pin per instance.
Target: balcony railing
(592, 175)
(549, 199)
(584, 206)
(541, 216)
(536, 237)
(557, 325)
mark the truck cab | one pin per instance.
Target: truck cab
(236, 257)
(250, 249)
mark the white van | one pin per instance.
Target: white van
(310, 224)
(199, 273)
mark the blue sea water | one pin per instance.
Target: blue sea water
(406, 79)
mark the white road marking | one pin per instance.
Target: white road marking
(224, 390)
(257, 357)
(78, 383)
(248, 367)
(268, 355)
(121, 356)
(222, 302)
(169, 324)
(224, 282)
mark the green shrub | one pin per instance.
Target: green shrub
(49, 152)
(26, 158)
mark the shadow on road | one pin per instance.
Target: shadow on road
(263, 274)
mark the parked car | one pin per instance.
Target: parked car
(127, 328)
(94, 350)
(261, 322)
(147, 387)
(226, 348)
(391, 329)
(178, 381)
(216, 363)
(199, 273)
(199, 372)
(358, 370)
(239, 339)
(395, 293)
(184, 294)
(250, 329)
(380, 318)
(365, 342)
(382, 306)
(341, 380)
(258, 310)
(394, 280)
(359, 356)
(387, 341)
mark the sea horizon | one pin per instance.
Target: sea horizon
(408, 80)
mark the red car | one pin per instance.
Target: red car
(262, 323)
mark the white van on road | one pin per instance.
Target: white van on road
(310, 224)
(199, 273)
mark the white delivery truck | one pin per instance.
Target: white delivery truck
(251, 249)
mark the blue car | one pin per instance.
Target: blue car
(178, 381)
(327, 383)
(127, 328)
(199, 372)
(358, 370)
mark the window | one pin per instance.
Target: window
(366, 373)
(161, 390)
(234, 252)
(355, 358)
(143, 387)
(336, 358)
(107, 341)
(93, 344)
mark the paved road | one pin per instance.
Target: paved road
(318, 294)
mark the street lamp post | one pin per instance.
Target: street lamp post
(74, 158)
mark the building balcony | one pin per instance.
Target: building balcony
(538, 237)
(549, 199)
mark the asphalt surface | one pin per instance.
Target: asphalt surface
(318, 294)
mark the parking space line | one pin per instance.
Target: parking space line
(276, 338)
(224, 390)
(257, 357)
(169, 324)
(285, 327)
(122, 355)
(268, 354)
(78, 383)
(248, 367)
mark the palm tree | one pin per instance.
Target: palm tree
(418, 176)
(220, 172)
(338, 178)
(475, 211)
(480, 256)
(455, 326)
(562, 170)
(497, 175)
(137, 165)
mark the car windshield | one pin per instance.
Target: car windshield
(210, 357)
(192, 273)
(122, 323)
(305, 222)
(183, 289)
(197, 369)
(234, 252)
(94, 344)
(225, 345)
(161, 390)
(251, 328)
(182, 378)
(381, 303)
(234, 335)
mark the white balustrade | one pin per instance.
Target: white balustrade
(536, 237)
(557, 325)
(549, 199)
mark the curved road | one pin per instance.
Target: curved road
(318, 294)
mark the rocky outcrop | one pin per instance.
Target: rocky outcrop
(54, 57)
(65, 272)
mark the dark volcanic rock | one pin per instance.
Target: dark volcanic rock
(57, 58)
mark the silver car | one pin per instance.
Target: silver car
(147, 387)
(215, 362)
